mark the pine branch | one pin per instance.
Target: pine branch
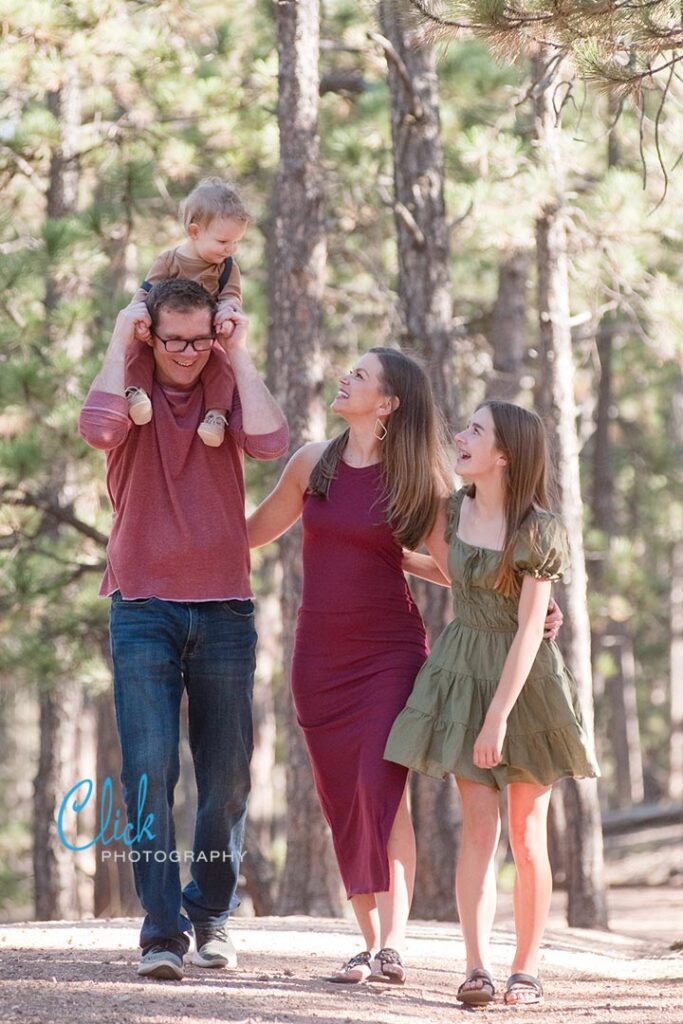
(24, 166)
(395, 58)
(60, 513)
(595, 36)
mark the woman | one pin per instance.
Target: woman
(360, 640)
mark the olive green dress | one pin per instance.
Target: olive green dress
(436, 731)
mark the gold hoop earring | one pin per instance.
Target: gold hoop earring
(383, 430)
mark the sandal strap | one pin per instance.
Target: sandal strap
(478, 974)
(524, 979)
(359, 960)
(389, 956)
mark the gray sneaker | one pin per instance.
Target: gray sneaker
(163, 960)
(213, 947)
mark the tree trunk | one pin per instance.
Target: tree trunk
(618, 694)
(624, 725)
(115, 894)
(509, 328)
(257, 866)
(55, 867)
(426, 308)
(419, 208)
(585, 881)
(603, 478)
(675, 786)
(310, 882)
(676, 675)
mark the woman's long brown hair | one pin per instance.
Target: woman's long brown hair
(415, 468)
(521, 437)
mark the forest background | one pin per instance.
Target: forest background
(517, 227)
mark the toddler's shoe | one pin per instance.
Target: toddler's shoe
(212, 428)
(139, 406)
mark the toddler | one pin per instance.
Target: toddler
(215, 220)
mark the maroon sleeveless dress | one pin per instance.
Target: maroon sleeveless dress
(359, 644)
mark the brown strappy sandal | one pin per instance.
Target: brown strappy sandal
(353, 971)
(524, 983)
(477, 996)
(391, 967)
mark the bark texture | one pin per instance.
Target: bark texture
(426, 305)
(509, 328)
(586, 906)
(56, 882)
(310, 882)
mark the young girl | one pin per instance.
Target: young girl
(494, 704)
(215, 220)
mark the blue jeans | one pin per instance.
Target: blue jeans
(160, 648)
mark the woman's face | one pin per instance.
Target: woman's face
(476, 450)
(360, 390)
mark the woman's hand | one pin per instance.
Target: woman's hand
(488, 746)
(553, 620)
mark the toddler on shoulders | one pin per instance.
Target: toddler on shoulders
(215, 220)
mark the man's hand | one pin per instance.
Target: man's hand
(553, 620)
(232, 330)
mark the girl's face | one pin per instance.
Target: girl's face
(477, 454)
(360, 390)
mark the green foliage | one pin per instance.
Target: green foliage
(171, 92)
(619, 46)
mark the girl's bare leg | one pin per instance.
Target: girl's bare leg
(528, 827)
(475, 877)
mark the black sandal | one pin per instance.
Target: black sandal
(477, 996)
(530, 983)
(391, 969)
(351, 972)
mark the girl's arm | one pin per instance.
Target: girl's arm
(284, 504)
(424, 567)
(533, 606)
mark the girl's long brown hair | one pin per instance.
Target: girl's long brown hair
(521, 437)
(415, 469)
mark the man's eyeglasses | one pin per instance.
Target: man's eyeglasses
(178, 345)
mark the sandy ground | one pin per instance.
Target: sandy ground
(78, 973)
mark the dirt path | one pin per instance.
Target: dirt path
(83, 973)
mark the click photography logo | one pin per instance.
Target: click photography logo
(137, 837)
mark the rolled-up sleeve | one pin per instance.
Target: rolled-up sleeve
(104, 421)
(257, 446)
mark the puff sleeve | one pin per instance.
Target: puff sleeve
(543, 549)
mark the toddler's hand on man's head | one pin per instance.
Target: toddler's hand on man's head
(231, 330)
(136, 322)
(223, 321)
(223, 324)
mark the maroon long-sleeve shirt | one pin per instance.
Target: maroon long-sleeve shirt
(179, 530)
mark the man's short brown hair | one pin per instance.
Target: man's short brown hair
(179, 296)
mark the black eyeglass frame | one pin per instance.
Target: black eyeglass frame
(185, 342)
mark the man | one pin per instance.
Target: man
(182, 615)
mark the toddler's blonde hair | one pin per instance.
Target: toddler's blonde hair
(212, 198)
